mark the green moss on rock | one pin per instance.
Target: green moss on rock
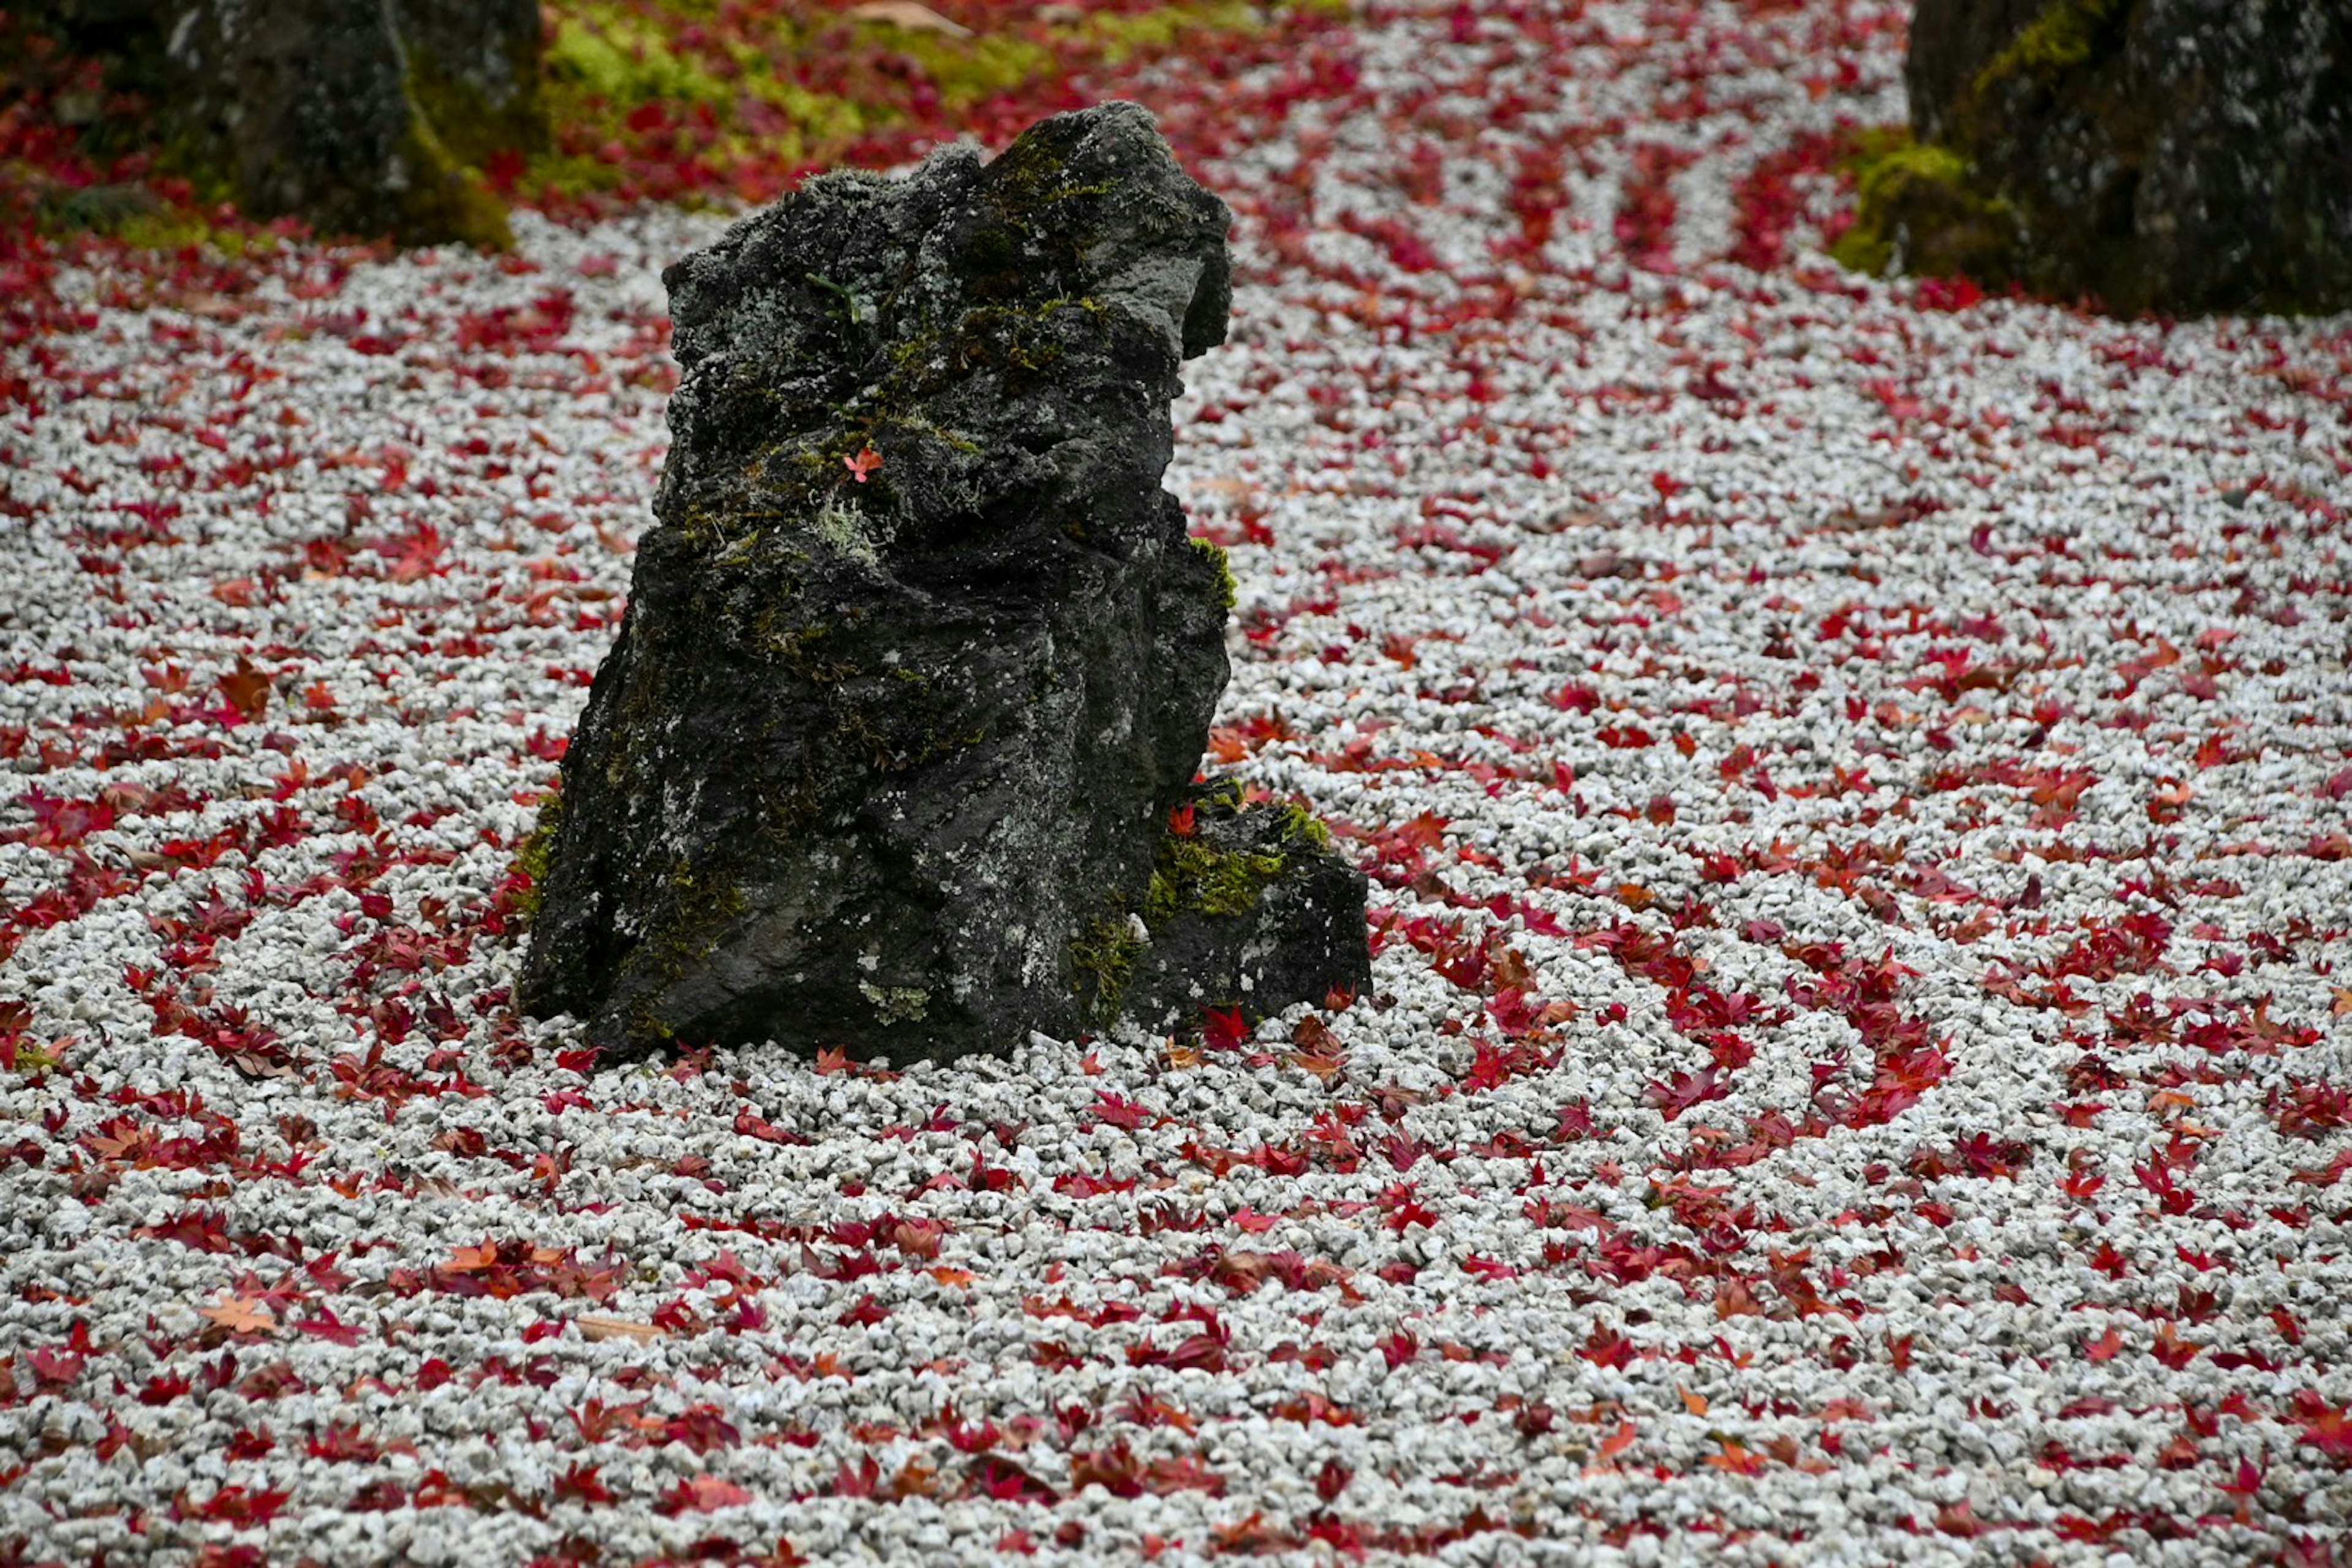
(2061, 38)
(1102, 959)
(1214, 554)
(1920, 211)
(535, 856)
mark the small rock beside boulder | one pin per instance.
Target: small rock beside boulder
(2172, 156)
(896, 752)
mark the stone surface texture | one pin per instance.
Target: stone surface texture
(918, 660)
(368, 118)
(2176, 155)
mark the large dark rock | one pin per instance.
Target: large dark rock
(371, 119)
(2178, 156)
(919, 660)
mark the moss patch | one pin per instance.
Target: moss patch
(1215, 555)
(2062, 38)
(626, 61)
(1921, 212)
(1104, 955)
(446, 201)
(1191, 877)
(1194, 877)
(535, 857)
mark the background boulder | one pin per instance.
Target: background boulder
(371, 120)
(2174, 155)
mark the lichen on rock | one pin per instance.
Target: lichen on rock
(918, 657)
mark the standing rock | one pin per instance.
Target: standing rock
(368, 120)
(919, 662)
(2178, 156)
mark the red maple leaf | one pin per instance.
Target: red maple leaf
(998, 1478)
(580, 1484)
(233, 1505)
(704, 1494)
(2325, 1427)
(1221, 1028)
(325, 1325)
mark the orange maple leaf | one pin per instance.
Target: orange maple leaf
(247, 689)
(593, 1328)
(241, 1314)
(1320, 1051)
(947, 1274)
(465, 1259)
(1324, 1067)
(705, 1494)
(1736, 1459)
(864, 463)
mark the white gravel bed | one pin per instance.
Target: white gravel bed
(1856, 779)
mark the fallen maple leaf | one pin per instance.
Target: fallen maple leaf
(1736, 1459)
(465, 1259)
(247, 689)
(868, 458)
(1325, 1067)
(241, 1314)
(593, 1328)
(325, 1325)
(1320, 1051)
(910, 15)
(705, 1494)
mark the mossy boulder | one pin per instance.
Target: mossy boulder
(917, 658)
(372, 120)
(2174, 155)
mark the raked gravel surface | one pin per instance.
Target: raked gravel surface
(1856, 776)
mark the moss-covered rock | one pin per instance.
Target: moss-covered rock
(1920, 212)
(918, 657)
(2142, 154)
(1249, 906)
(371, 120)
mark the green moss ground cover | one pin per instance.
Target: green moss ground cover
(685, 101)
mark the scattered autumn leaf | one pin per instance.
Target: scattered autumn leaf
(595, 1327)
(241, 1314)
(245, 689)
(910, 15)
